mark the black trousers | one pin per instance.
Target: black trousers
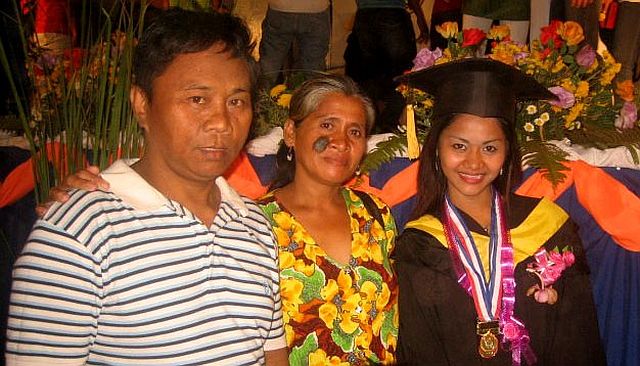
(380, 47)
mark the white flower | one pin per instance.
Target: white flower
(531, 109)
(544, 116)
(539, 122)
(529, 127)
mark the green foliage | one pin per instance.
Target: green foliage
(384, 152)
(299, 355)
(545, 157)
(78, 105)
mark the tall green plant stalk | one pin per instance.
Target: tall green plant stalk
(78, 109)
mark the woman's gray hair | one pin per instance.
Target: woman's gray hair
(305, 100)
(311, 93)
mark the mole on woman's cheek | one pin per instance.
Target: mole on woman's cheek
(321, 144)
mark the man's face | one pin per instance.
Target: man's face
(198, 117)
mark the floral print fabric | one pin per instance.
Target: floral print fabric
(337, 314)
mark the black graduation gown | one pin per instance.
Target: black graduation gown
(438, 317)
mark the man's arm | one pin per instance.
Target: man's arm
(278, 357)
(54, 301)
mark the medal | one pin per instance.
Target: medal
(493, 295)
(488, 346)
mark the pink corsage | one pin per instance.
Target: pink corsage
(548, 267)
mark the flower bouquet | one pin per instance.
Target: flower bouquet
(590, 110)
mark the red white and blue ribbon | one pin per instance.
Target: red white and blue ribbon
(495, 298)
(486, 292)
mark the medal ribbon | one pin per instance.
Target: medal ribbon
(468, 267)
(486, 292)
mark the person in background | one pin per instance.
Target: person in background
(513, 266)
(381, 46)
(54, 23)
(481, 14)
(171, 266)
(288, 23)
(626, 41)
(584, 12)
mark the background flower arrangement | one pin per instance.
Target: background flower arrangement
(590, 110)
(77, 107)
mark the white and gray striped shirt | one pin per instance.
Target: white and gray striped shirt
(130, 277)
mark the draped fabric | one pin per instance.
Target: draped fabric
(604, 202)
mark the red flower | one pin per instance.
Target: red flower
(550, 32)
(472, 37)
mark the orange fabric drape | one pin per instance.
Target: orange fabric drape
(399, 188)
(17, 184)
(613, 206)
(244, 179)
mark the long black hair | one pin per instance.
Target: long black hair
(432, 184)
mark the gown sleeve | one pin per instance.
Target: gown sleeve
(418, 338)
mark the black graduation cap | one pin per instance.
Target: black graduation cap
(478, 86)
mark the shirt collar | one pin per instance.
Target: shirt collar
(129, 186)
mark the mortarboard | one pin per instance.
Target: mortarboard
(478, 86)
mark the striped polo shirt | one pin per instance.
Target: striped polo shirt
(129, 277)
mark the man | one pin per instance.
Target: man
(171, 267)
(307, 24)
(381, 46)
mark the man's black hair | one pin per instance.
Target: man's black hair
(177, 31)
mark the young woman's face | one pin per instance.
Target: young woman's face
(471, 150)
(330, 143)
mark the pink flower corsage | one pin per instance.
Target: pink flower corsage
(548, 267)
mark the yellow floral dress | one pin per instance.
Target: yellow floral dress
(337, 314)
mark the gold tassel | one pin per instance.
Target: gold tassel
(413, 148)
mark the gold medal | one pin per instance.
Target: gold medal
(488, 346)
(489, 343)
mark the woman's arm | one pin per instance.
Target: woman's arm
(87, 179)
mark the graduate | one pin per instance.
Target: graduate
(487, 277)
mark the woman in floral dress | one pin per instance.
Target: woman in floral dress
(339, 292)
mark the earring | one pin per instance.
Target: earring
(501, 171)
(290, 153)
(358, 172)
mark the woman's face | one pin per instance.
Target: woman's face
(471, 151)
(330, 143)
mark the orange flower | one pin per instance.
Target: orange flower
(499, 32)
(625, 90)
(447, 29)
(571, 32)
